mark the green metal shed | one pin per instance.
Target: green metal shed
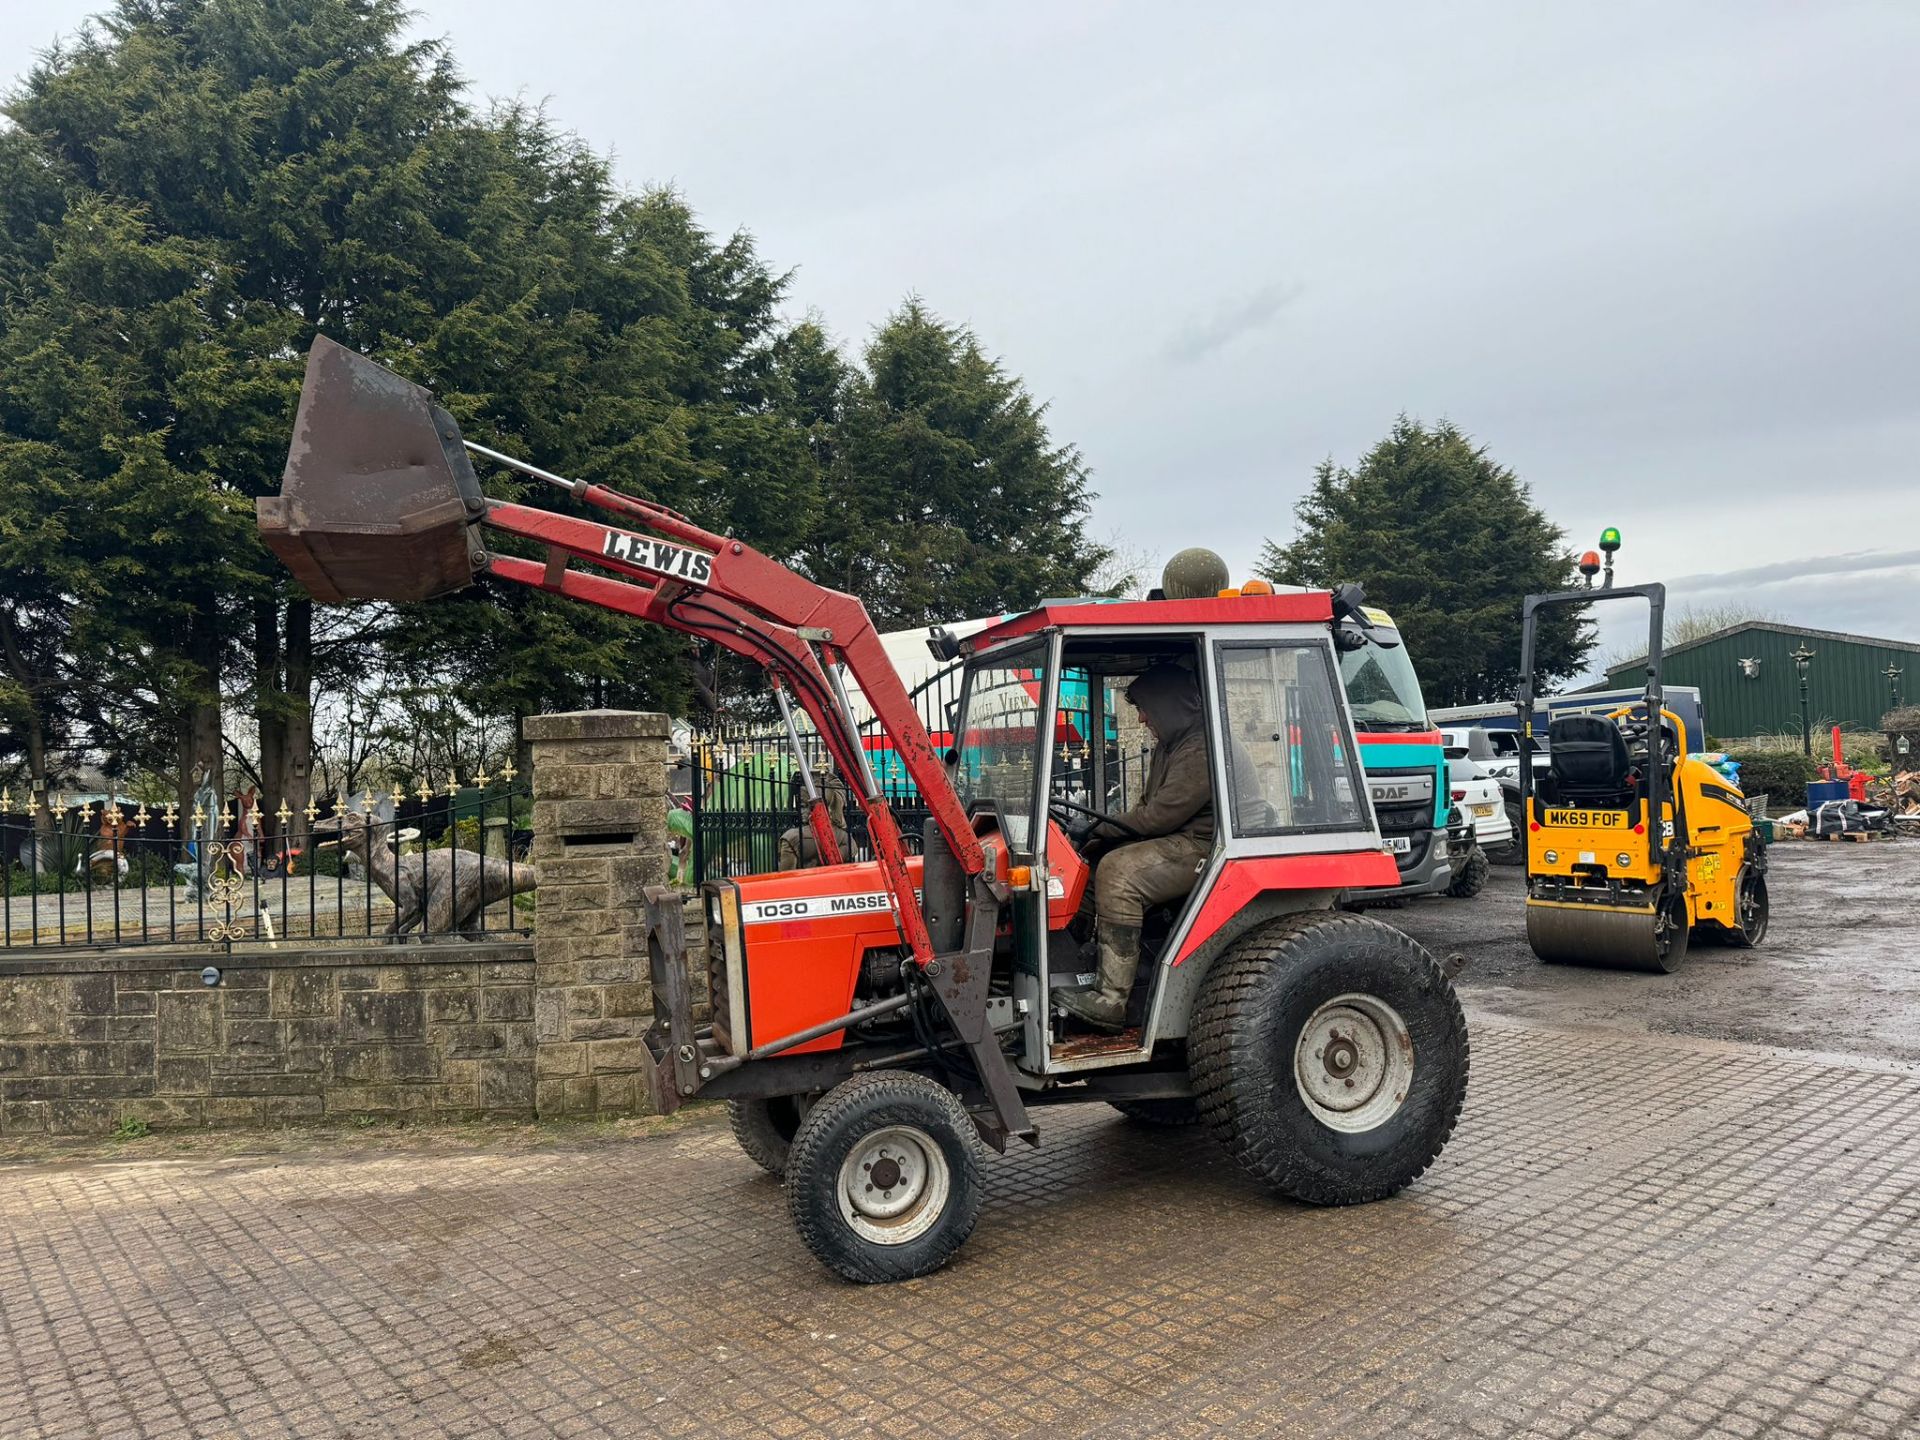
(1750, 686)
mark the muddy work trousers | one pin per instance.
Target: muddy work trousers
(1147, 872)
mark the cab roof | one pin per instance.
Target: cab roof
(1296, 607)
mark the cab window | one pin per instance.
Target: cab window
(1289, 760)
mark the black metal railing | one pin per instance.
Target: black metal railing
(108, 871)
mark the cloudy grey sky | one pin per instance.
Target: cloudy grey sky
(1661, 258)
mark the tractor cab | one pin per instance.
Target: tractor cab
(1047, 749)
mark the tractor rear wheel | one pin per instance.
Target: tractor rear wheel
(883, 1177)
(1329, 1056)
(765, 1129)
(1164, 1114)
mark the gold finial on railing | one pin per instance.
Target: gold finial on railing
(339, 801)
(199, 815)
(453, 785)
(425, 792)
(507, 772)
(398, 796)
(110, 814)
(226, 817)
(366, 800)
(33, 806)
(56, 808)
(284, 814)
(6, 799)
(140, 816)
(481, 778)
(312, 812)
(170, 815)
(256, 814)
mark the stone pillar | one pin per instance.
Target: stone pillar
(600, 839)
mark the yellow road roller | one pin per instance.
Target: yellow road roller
(1635, 847)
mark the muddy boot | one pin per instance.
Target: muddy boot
(1105, 1007)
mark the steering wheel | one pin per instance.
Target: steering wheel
(1097, 816)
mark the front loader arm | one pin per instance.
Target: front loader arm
(724, 590)
(379, 501)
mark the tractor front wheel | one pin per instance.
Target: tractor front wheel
(765, 1129)
(1329, 1055)
(883, 1177)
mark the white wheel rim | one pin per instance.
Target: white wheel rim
(1353, 1063)
(893, 1185)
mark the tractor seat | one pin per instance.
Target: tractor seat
(1587, 758)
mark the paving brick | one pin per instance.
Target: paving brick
(1628, 1236)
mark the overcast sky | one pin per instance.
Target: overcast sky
(1661, 259)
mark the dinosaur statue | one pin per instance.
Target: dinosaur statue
(446, 888)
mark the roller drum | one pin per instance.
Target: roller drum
(1606, 938)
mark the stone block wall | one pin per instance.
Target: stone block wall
(281, 1037)
(600, 833)
(445, 1029)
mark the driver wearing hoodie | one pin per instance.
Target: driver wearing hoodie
(1160, 845)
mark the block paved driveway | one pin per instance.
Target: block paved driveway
(1631, 1234)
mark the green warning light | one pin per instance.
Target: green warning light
(1610, 539)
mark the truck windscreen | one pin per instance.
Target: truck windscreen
(1382, 688)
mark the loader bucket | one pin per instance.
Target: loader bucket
(378, 499)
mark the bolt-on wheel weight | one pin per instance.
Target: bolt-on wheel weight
(1652, 941)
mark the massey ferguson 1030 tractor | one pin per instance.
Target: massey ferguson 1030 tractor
(870, 1018)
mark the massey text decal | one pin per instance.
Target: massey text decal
(662, 557)
(814, 907)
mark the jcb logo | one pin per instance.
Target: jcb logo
(1589, 819)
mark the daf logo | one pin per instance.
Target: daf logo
(1401, 789)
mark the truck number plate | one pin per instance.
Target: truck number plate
(1400, 844)
(1596, 819)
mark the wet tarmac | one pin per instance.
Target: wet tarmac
(1838, 973)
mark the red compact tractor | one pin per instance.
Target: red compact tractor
(870, 1018)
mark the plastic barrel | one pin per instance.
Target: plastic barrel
(1819, 792)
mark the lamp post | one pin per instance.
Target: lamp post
(1893, 673)
(1802, 658)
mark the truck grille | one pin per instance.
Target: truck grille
(1413, 821)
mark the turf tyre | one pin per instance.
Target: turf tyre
(830, 1141)
(765, 1129)
(1247, 1030)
